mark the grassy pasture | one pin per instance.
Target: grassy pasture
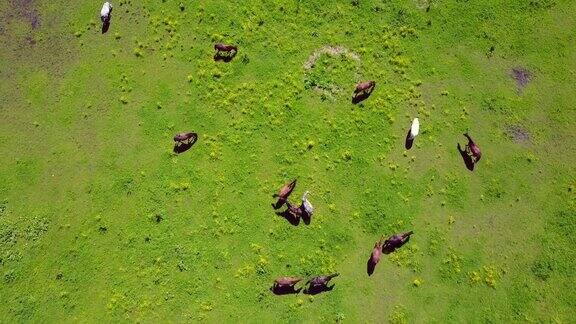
(100, 221)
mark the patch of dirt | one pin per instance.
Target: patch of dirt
(27, 9)
(522, 77)
(332, 51)
(518, 134)
(327, 93)
(423, 4)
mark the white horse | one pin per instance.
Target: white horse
(414, 129)
(106, 12)
(306, 205)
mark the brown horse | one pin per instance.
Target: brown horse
(228, 49)
(185, 138)
(375, 256)
(473, 149)
(285, 285)
(292, 214)
(321, 281)
(286, 281)
(296, 212)
(320, 284)
(363, 91)
(364, 87)
(184, 141)
(283, 194)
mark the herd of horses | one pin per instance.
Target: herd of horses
(471, 154)
(286, 285)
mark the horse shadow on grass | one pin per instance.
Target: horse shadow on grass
(181, 147)
(315, 290)
(105, 27)
(278, 204)
(466, 157)
(284, 290)
(387, 249)
(409, 141)
(358, 98)
(306, 219)
(295, 221)
(370, 266)
(219, 57)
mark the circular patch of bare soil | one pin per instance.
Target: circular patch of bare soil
(518, 134)
(330, 50)
(423, 4)
(332, 89)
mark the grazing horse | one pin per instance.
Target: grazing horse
(292, 214)
(364, 87)
(473, 149)
(396, 241)
(294, 211)
(375, 256)
(105, 15)
(321, 282)
(228, 49)
(363, 91)
(286, 281)
(412, 133)
(306, 208)
(283, 194)
(185, 138)
(285, 285)
(306, 205)
(184, 141)
(414, 129)
(106, 12)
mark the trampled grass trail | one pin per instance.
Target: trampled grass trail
(101, 221)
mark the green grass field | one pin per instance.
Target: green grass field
(101, 222)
